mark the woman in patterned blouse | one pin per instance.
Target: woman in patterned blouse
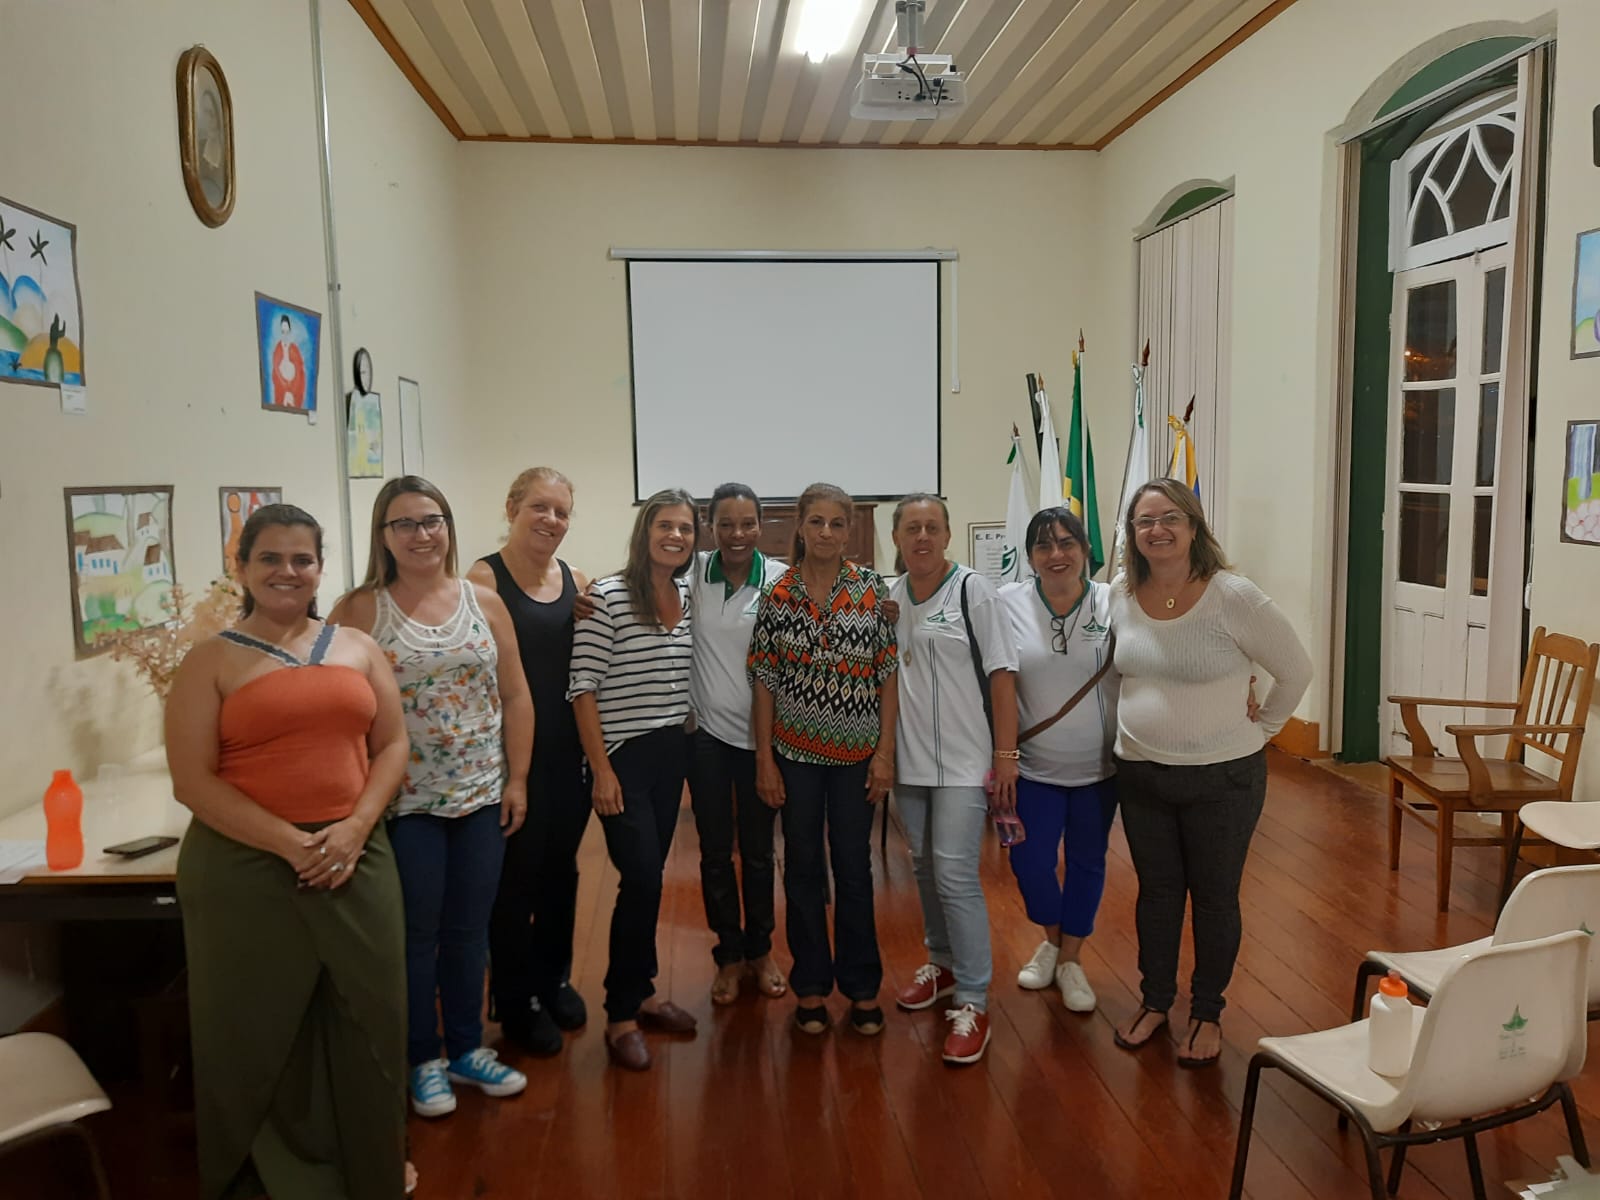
(470, 721)
(822, 663)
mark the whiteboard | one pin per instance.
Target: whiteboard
(781, 373)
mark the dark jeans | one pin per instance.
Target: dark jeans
(448, 870)
(722, 788)
(1189, 830)
(530, 934)
(834, 797)
(651, 769)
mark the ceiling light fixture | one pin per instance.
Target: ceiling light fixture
(824, 24)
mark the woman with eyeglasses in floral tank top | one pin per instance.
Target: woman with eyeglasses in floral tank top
(470, 721)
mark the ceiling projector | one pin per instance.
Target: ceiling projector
(908, 86)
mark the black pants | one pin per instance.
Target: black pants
(1189, 830)
(832, 798)
(722, 788)
(530, 932)
(651, 769)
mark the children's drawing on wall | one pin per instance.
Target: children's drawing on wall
(41, 317)
(236, 504)
(287, 338)
(364, 435)
(1586, 296)
(119, 546)
(1580, 508)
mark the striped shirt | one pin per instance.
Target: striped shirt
(638, 672)
(825, 670)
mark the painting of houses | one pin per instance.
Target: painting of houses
(119, 543)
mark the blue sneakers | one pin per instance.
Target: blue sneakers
(483, 1069)
(430, 1090)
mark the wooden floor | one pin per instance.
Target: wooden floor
(751, 1109)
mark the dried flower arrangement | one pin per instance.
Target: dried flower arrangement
(155, 652)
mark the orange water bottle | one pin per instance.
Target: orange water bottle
(63, 815)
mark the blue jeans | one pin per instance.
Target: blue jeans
(449, 870)
(1081, 818)
(944, 826)
(832, 798)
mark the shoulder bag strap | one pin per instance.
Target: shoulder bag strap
(1094, 682)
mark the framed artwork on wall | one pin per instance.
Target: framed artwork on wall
(287, 341)
(1580, 491)
(119, 561)
(205, 135)
(41, 314)
(234, 506)
(363, 435)
(1586, 296)
(986, 549)
(410, 427)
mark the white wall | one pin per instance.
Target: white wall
(550, 377)
(169, 323)
(1264, 116)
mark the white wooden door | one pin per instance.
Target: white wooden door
(1445, 473)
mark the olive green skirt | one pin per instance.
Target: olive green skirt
(297, 1018)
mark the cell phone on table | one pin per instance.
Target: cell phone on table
(141, 846)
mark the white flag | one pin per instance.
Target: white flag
(1014, 559)
(1137, 473)
(1051, 492)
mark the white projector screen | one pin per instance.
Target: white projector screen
(780, 373)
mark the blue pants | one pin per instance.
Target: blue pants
(831, 798)
(945, 826)
(449, 870)
(1080, 818)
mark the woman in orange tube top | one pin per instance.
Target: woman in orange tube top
(285, 737)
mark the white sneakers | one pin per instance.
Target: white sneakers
(1076, 993)
(1044, 968)
(1040, 972)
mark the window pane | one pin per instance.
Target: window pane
(1428, 224)
(1494, 319)
(1498, 144)
(1502, 208)
(1447, 161)
(1482, 535)
(1431, 331)
(1469, 203)
(1488, 423)
(1424, 538)
(1428, 436)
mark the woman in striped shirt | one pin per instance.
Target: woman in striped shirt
(629, 688)
(822, 662)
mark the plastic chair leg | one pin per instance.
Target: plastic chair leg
(1569, 1109)
(1397, 1164)
(1474, 1167)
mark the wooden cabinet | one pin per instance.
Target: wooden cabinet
(777, 533)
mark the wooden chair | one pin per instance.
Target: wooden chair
(1548, 715)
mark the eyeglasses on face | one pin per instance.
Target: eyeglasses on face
(406, 527)
(1169, 520)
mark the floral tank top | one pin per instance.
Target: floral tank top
(450, 694)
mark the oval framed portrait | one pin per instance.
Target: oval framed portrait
(205, 135)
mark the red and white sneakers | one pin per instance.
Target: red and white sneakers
(968, 1037)
(927, 987)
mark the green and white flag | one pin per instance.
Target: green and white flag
(1078, 473)
(1014, 559)
(1137, 473)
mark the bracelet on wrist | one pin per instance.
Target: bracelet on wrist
(1011, 754)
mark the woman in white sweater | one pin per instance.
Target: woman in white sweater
(1191, 765)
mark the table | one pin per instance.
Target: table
(138, 803)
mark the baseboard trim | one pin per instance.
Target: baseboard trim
(1303, 739)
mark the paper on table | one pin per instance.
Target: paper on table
(18, 858)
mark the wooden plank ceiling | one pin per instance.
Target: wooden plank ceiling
(1056, 74)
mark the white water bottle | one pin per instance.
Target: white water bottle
(1389, 1028)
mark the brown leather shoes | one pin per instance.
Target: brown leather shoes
(667, 1017)
(628, 1051)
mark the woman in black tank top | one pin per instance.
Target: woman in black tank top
(530, 934)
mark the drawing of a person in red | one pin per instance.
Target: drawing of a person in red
(288, 370)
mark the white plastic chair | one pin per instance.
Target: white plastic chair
(1553, 900)
(1573, 824)
(1504, 1025)
(44, 1091)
